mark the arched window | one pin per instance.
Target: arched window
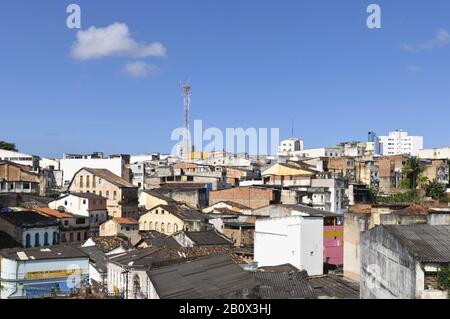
(169, 228)
(175, 228)
(37, 240)
(46, 243)
(28, 241)
(156, 226)
(163, 229)
(150, 225)
(145, 226)
(55, 238)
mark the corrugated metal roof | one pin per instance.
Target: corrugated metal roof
(332, 286)
(426, 242)
(284, 285)
(210, 277)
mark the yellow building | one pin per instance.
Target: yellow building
(121, 195)
(170, 219)
(288, 175)
(151, 199)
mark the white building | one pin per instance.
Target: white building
(87, 205)
(435, 153)
(400, 143)
(19, 158)
(42, 272)
(296, 239)
(291, 145)
(327, 194)
(319, 152)
(71, 165)
(138, 175)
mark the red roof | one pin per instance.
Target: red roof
(51, 212)
(126, 221)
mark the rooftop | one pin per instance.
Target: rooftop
(126, 221)
(183, 213)
(108, 244)
(6, 241)
(427, 243)
(52, 212)
(53, 252)
(332, 286)
(28, 219)
(208, 238)
(284, 285)
(209, 277)
(110, 177)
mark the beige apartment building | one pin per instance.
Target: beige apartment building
(121, 195)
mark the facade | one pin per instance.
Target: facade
(138, 175)
(72, 228)
(295, 240)
(151, 199)
(435, 153)
(87, 205)
(291, 145)
(37, 273)
(253, 197)
(327, 194)
(121, 196)
(170, 219)
(195, 195)
(127, 227)
(30, 228)
(16, 178)
(400, 143)
(402, 262)
(288, 175)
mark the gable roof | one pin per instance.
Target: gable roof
(427, 243)
(210, 277)
(28, 219)
(108, 176)
(183, 213)
(287, 170)
(51, 212)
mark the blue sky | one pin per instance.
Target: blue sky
(251, 63)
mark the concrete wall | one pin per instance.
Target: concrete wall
(388, 270)
(354, 224)
(248, 196)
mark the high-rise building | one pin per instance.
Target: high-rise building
(400, 143)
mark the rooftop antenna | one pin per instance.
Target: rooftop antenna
(187, 107)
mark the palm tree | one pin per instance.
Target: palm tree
(412, 170)
(435, 190)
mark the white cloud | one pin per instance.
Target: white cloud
(139, 69)
(113, 40)
(441, 39)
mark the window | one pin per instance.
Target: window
(175, 228)
(63, 237)
(46, 243)
(81, 182)
(88, 182)
(55, 238)
(78, 236)
(150, 225)
(163, 229)
(28, 241)
(156, 226)
(37, 240)
(107, 194)
(93, 182)
(80, 221)
(114, 195)
(169, 228)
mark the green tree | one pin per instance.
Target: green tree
(435, 190)
(412, 170)
(8, 146)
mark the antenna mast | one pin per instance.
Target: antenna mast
(187, 107)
